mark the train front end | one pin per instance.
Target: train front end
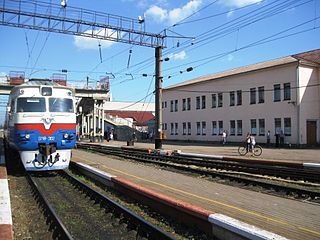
(42, 125)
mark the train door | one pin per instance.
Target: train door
(311, 132)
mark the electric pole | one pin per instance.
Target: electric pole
(158, 99)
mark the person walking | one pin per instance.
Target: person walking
(224, 137)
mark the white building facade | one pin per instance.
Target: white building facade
(281, 95)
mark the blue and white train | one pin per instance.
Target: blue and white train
(41, 124)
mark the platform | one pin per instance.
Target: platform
(289, 218)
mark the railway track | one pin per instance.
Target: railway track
(77, 211)
(283, 180)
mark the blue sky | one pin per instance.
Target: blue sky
(217, 35)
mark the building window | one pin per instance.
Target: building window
(171, 129)
(239, 97)
(204, 125)
(165, 104)
(214, 128)
(188, 104)
(253, 123)
(286, 91)
(276, 93)
(262, 129)
(232, 127)
(232, 98)
(176, 129)
(203, 102)
(252, 95)
(184, 128)
(164, 126)
(171, 106)
(198, 128)
(176, 105)
(198, 103)
(220, 99)
(277, 125)
(261, 94)
(287, 126)
(220, 127)
(162, 105)
(214, 100)
(239, 127)
(183, 104)
(189, 128)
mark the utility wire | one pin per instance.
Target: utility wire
(236, 27)
(244, 91)
(260, 42)
(219, 14)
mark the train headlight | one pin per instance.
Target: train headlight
(27, 136)
(65, 136)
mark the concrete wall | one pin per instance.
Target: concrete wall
(309, 96)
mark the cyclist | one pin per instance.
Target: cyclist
(248, 142)
(253, 143)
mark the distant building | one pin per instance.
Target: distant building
(281, 96)
(127, 117)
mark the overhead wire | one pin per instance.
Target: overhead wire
(219, 27)
(219, 14)
(245, 91)
(280, 9)
(256, 43)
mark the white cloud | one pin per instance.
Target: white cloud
(230, 13)
(230, 57)
(178, 56)
(240, 3)
(175, 15)
(157, 13)
(92, 43)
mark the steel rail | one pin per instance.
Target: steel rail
(145, 228)
(242, 177)
(60, 231)
(283, 171)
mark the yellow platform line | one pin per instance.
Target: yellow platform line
(212, 201)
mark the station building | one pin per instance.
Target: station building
(281, 96)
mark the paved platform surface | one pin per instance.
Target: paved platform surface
(288, 218)
(288, 154)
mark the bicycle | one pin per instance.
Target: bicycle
(256, 151)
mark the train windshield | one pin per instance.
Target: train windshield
(60, 105)
(32, 104)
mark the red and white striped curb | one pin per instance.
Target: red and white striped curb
(6, 232)
(223, 227)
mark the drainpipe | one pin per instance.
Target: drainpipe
(298, 104)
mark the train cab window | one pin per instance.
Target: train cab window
(61, 105)
(32, 104)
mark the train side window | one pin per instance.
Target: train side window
(34, 104)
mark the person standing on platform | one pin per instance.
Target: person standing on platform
(281, 138)
(268, 138)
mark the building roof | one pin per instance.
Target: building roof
(310, 56)
(140, 117)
